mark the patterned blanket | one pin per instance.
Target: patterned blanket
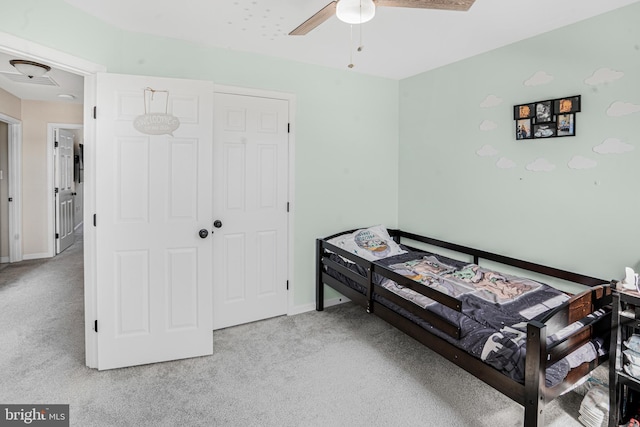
(495, 309)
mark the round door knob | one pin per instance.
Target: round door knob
(217, 223)
(203, 233)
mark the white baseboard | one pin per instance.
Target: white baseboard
(79, 225)
(40, 255)
(299, 309)
(335, 301)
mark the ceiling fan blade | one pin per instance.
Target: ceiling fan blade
(428, 4)
(322, 15)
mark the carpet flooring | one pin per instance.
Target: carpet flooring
(340, 367)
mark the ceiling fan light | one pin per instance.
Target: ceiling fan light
(29, 68)
(355, 11)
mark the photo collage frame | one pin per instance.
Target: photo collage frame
(551, 118)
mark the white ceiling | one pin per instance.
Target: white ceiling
(398, 42)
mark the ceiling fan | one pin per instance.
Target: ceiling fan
(361, 11)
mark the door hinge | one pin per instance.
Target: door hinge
(288, 127)
(11, 199)
(287, 285)
(55, 190)
(94, 220)
(95, 325)
(57, 235)
(55, 144)
(95, 113)
(287, 206)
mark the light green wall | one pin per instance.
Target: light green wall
(581, 220)
(347, 127)
(346, 134)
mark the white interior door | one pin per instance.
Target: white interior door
(250, 201)
(64, 189)
(153, 196)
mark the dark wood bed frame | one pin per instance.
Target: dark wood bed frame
(533, 394)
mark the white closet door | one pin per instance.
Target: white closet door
(250, 201)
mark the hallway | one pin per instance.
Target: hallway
(34, 294)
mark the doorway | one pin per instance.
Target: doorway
(4, 194)
(21, 48)
(10, 186)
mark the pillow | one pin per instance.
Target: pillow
(371, 243)
(633, 343)
(633, 357)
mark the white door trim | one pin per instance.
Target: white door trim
(15, 186)
(51, 182)
(291, 98)
(28, 50)
(35, 52)
(89, 231)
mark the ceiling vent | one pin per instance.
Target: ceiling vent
(21, 78)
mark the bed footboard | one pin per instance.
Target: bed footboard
(541, 355)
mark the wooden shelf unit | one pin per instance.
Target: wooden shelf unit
(624, 389)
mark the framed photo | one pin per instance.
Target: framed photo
(523, 129)
(547, 119)
(566, 124)
(567, 105)
(545, 130)
(544, 111)
(524, 111)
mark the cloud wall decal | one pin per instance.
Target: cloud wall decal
(579, 162)
(620, 108)
(603, 75)
(491, 101)
(487, 151)
(505, 163)
(541, 165)
(539, 78)
(613, 146)
(488, 125)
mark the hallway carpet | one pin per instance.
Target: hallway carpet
(341, 367)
